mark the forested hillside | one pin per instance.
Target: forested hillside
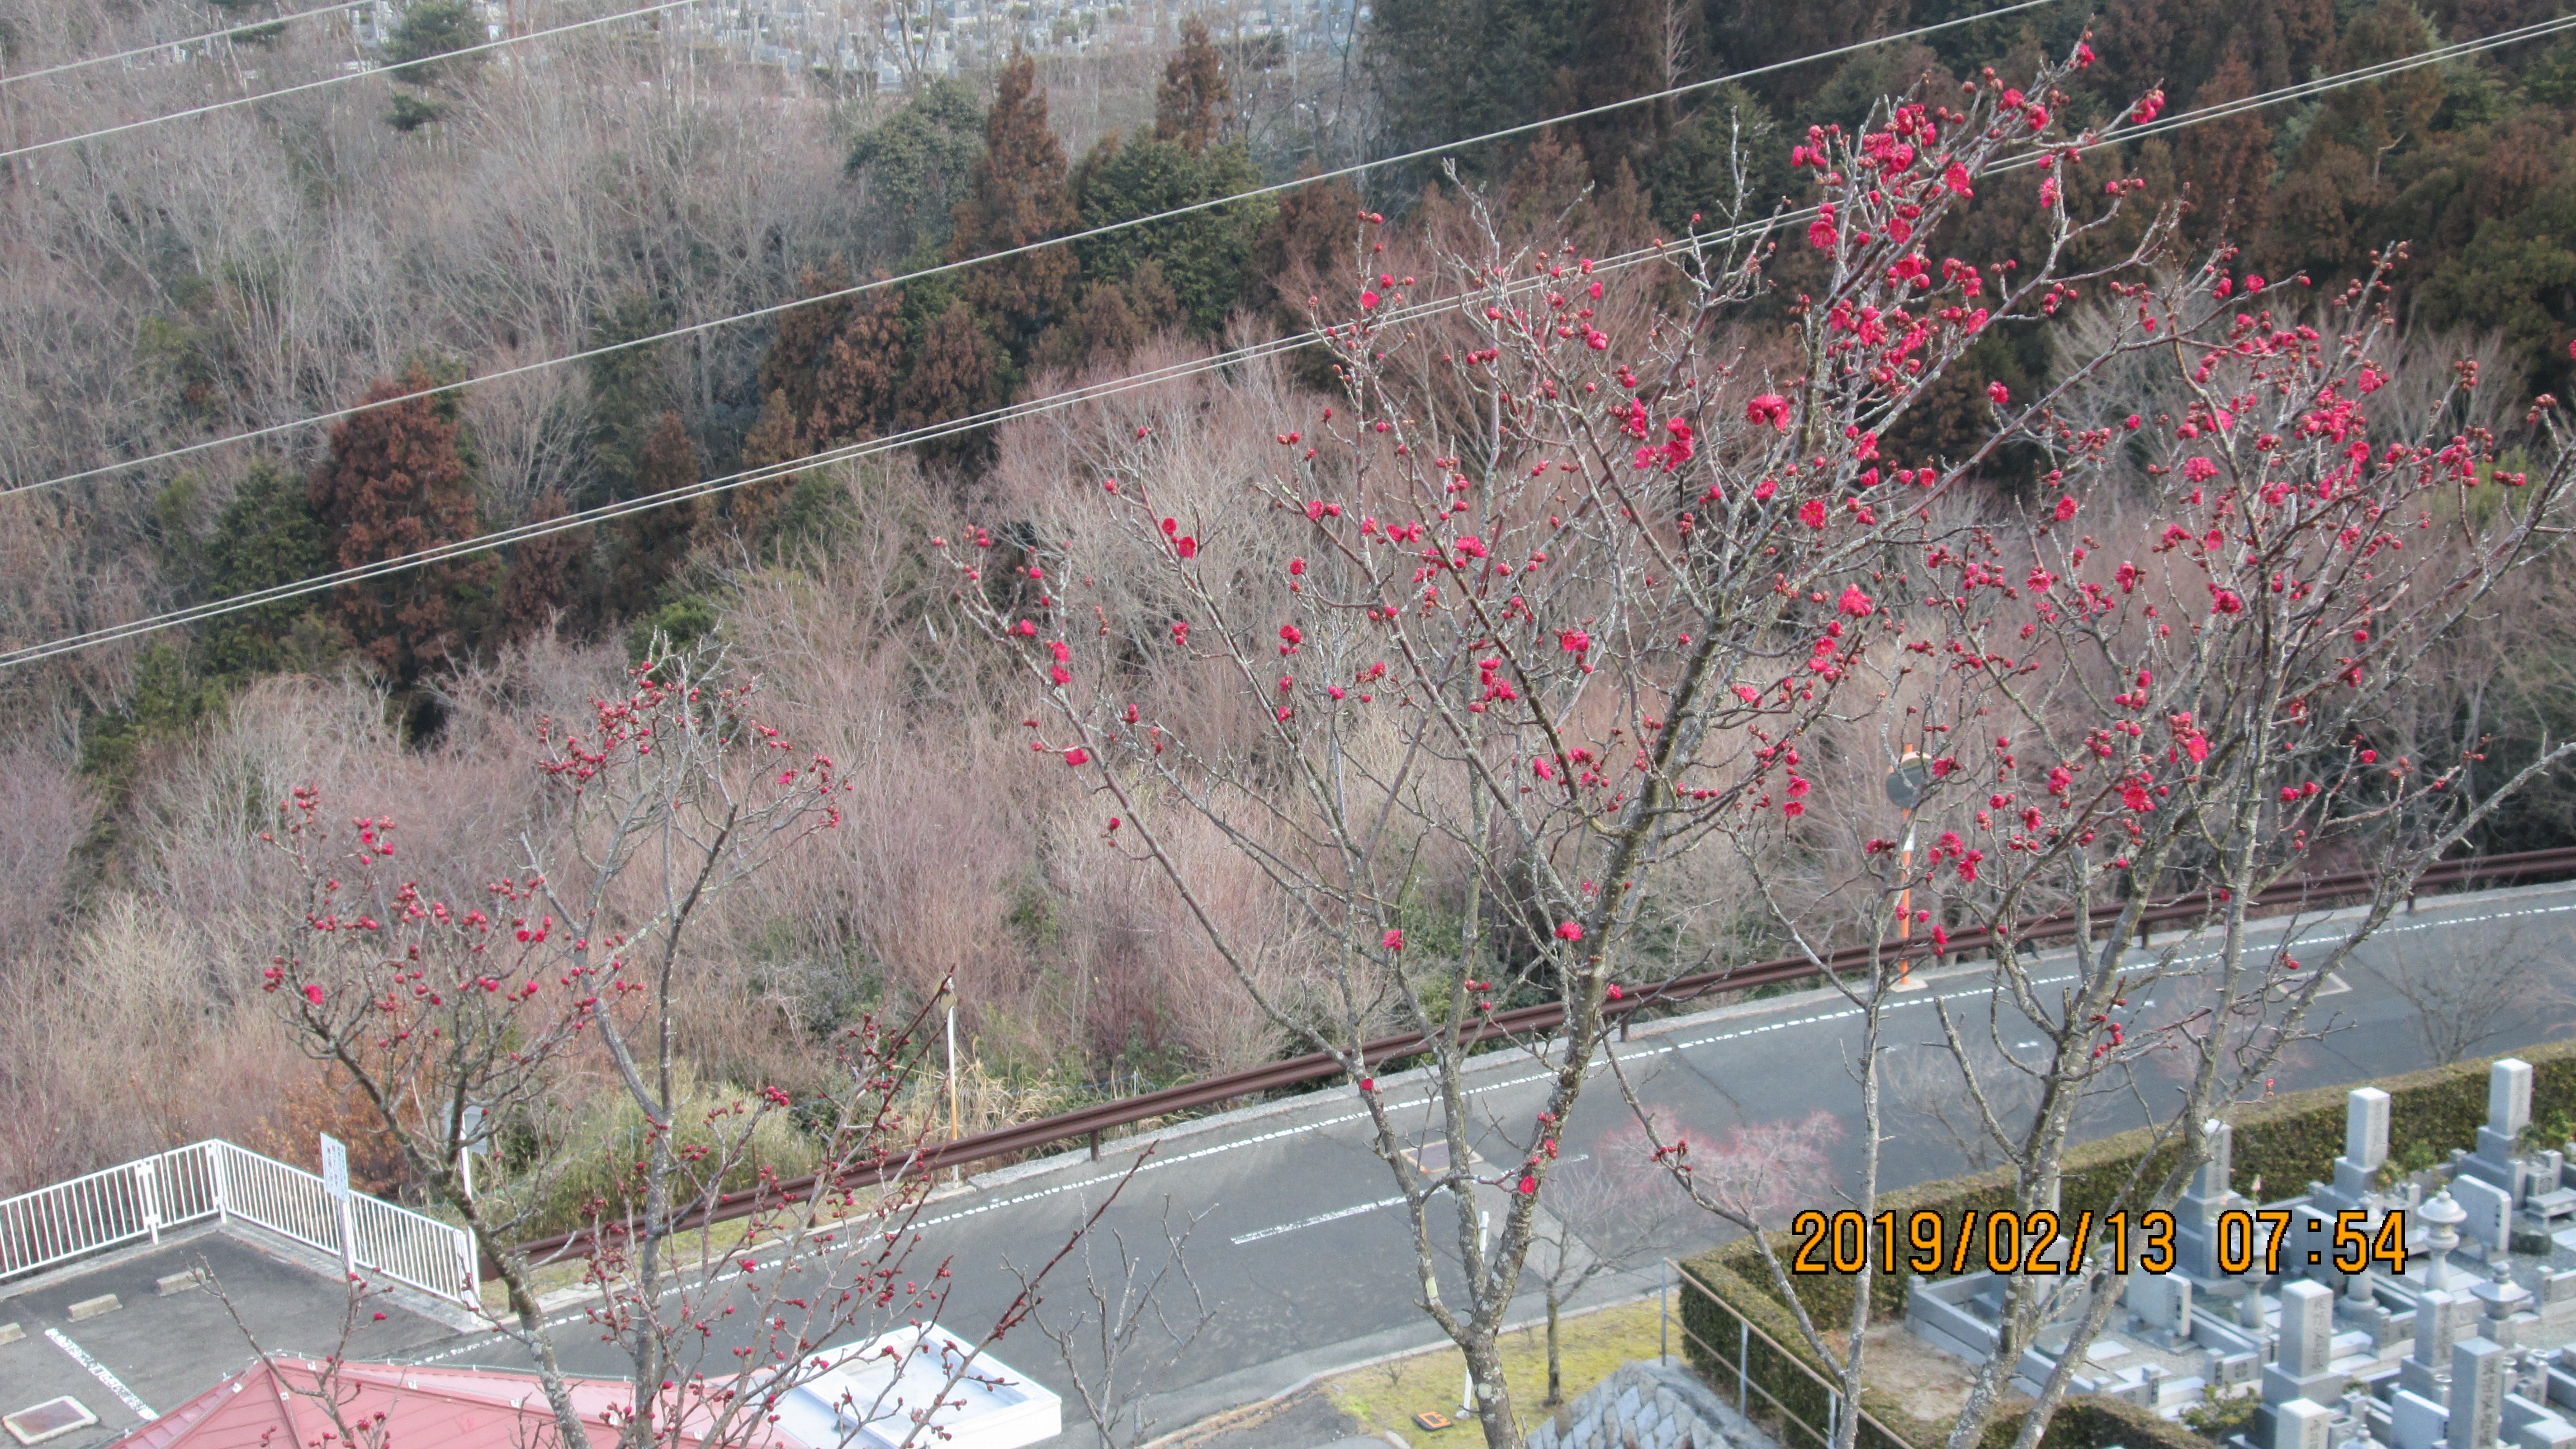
(207, 281)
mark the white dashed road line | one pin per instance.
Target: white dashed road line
(99, 1372)
(1839, 1012)
(1843, 1011)
(1319, 1219)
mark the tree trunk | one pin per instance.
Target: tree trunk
(1493, 1396)
(1555, 1365)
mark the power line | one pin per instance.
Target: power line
(606, 513)
(944, 268)
(1175, 372)
(341, 79)
(2222, 110)
(28, 75)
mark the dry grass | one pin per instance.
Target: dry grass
(1387, 1396)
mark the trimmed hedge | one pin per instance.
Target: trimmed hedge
(2093, 1421)
(2285, 1142)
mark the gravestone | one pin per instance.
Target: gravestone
(2416, 1422)
(2490, 1210)
(2163, 1301)
(2365, 1128)
(2477, 1393)
(2509, 1096)
(2299, 1372)
(2306, 1328)
(2557, 1296)
(2196, 1215)
(2300, 1424)
(2508, 1112)
(2365, 1151)
(2305, 1347)
(2440, 1318)
(2550, 1433)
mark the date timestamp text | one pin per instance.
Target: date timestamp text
(2016, 1242)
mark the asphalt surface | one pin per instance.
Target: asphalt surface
(1302, 1254)
(153, 1352)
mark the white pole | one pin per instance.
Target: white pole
(955, 1173)
(1467, 1379)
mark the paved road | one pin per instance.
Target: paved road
(1303, 1251)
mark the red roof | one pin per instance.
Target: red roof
(265, 1407)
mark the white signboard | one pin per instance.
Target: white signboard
(335, 1167)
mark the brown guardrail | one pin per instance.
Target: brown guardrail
(1090, 1122)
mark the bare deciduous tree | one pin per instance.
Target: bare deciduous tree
(2181, 677)
(1542, 605)
(1138, 1314)
(2461, 1002)
(470, 1024)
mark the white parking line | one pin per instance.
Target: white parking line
(1318, 1220)
(99, 1372)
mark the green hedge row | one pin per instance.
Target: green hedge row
(2091, 1421)
(2282, 1142)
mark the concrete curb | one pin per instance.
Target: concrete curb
(1353, 1355)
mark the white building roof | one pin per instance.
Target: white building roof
(877, 1392)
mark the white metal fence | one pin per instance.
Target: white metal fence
(215, 1179)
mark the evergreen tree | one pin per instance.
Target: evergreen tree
(2168, 43)
(398, 481)
(431, 29)
(2552, 79)
(1206, 257)
(1747, 33)
(2227, 163)
(830, 377)
(1693, 173)
(1112, 320)
(265, 537)
(1190, 106)
(2517, 273)
(1549, 182)
(628, 396)
(1444, 69)
(548, 576)
(2355, 144)
(1621, 51)
(1018, 196)
(788, 371)
(855, 381)
(647, 548)
(1312, 235)
(958, 370)
(1551, 197)
(917, 166)
(409, 112)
